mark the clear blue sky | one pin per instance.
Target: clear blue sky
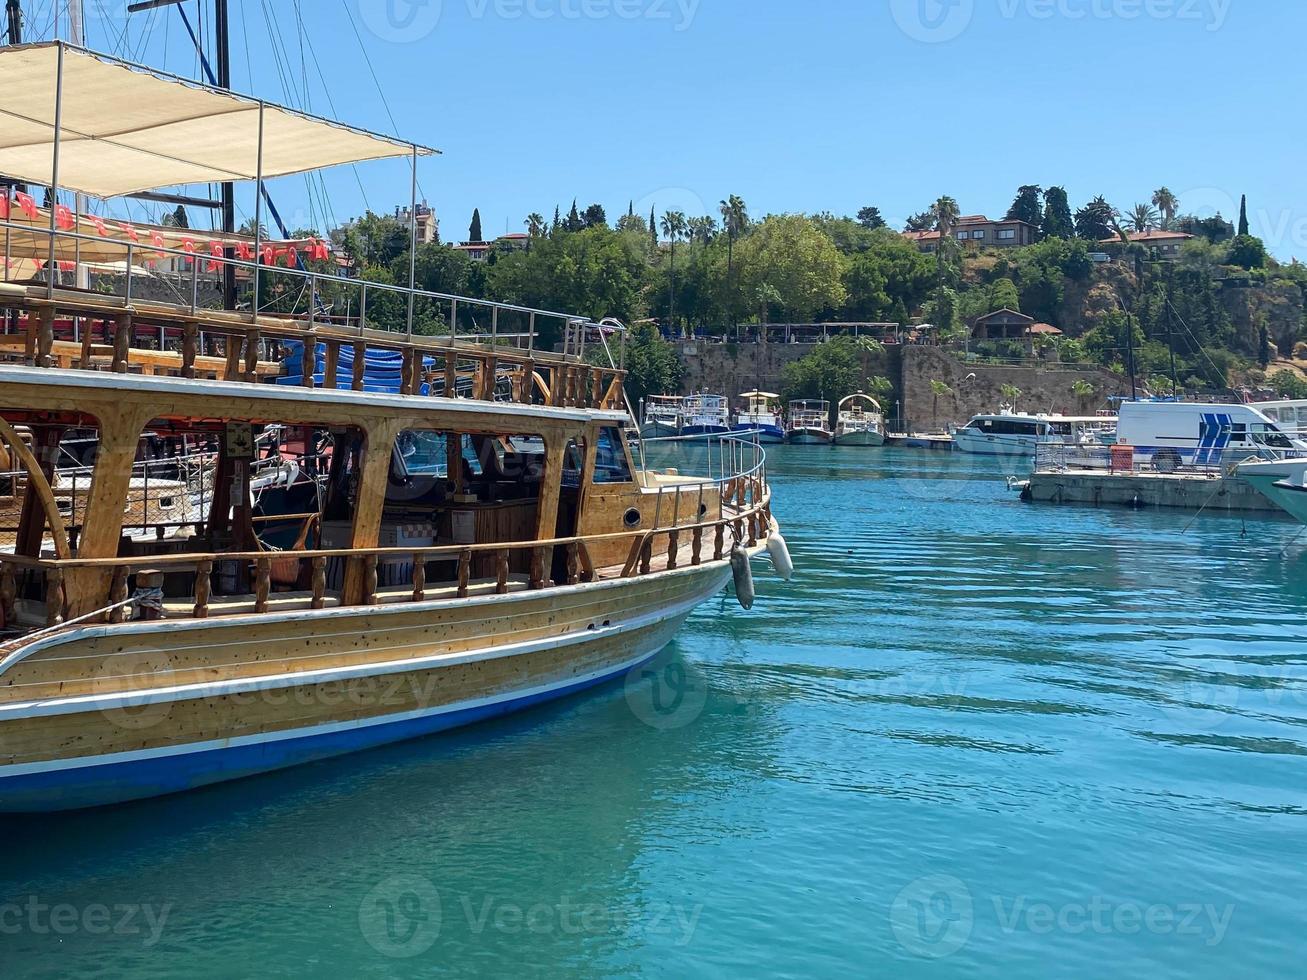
(795, 106)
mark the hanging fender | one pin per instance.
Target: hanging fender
(780, 555)
(743, 576)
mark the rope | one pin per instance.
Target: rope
(144, 598)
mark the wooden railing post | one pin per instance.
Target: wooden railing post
(308, 374)
(406, 371)
(190, 347)
(149, 578)
(419, 578)
(54, 597)
(118, 594)
(252, 357)
(262, 584)
(673, 549)
(696, 547)
(719, 542)
(464, 571)
(501, 572)
(360, 364)
(573, 564)
(319, 582)
(331, 365)
(44, 337)
(8, 595)
(646, 555)
(232, 371)
(370, 580)
(203, 588)
(537, 568)
(122, 342)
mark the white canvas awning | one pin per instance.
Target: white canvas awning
(126, 129)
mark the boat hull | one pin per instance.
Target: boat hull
(704, 430)
(658, 430)
(808, 437)
(348, 680)
(768, 435)
(867, 438)
(1004, 444)
(1291, 496)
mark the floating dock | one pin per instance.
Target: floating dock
(916, 440)
(1184, 491)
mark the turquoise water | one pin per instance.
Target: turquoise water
(973, 738)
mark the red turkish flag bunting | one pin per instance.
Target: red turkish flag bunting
(27, 204)
(129, 231)
(100, 226)
(4, 207)
(268, 256)
(215, 249)
(66, 267)
(188, 246)
(292, 257)
(63, 217)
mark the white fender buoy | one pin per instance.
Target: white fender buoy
(780, 556)
(743, 576)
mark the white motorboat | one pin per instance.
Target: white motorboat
(1010, 433)
(809, 423)
(761, 418)
(662, 416)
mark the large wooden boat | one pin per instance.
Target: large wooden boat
(538, 560)
(809, 423)
(859, 422)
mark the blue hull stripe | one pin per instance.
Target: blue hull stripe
(70, 789)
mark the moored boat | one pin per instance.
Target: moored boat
(662, 417)
(705, 415)
(809, 423)
(761, 418)
(481, 539)
(1011, 433)
(859, 422)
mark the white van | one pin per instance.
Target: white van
(1172, 434)
(1290, 416)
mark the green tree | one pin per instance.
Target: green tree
(1142, 217)
(870, 218)
(735, 219)
(674, 226)
(594, 215)
(1167, 203)
(1003, 296)
(1011, 394)
(787, 264)
(921, 222)
(1026, 207)
(474, 229)
(1243, 216)
(1057, 221)
(1095, 222)
(651, 364)
(834, 370)
(1263, 346)
(1288, 385)
(573, 222)
(535, 225)
(1248, 252)
(1083, 390)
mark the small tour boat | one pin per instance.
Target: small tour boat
(809, 423)
(1011, 433)
(662, 417)
(478, 537)
(1283, 482)
(706, 415)
(859, 422)
(761, 418)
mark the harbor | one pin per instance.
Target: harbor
(685, 586)
(1092, 697)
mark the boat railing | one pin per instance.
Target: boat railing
(504, 336)
(1214, 463)
(737, 477)
(745, 518)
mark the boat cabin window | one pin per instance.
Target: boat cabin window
(611, 464)
(1271, 437)
(1007, 427)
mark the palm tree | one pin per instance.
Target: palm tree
(1082, 390)
(735, 218)
(938, 389)
(1011, 393)
(1167, 203)
(535, 224)
(673, 225)
(1143, 217)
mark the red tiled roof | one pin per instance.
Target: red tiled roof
(921, 236)
(1047, 328)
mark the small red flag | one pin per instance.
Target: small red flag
(215, 249)
(244, 251)
(63, 217)
(129, 231)
(27, 204)
(100, 226)
(4, 207)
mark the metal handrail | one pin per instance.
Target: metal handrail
(312, 279)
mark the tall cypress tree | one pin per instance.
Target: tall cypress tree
(474, 232)
(558, 217)
(1243, 215)
(573, 218)
(630, 210)
(653, 229)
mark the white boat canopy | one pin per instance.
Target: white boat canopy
(123, 128)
